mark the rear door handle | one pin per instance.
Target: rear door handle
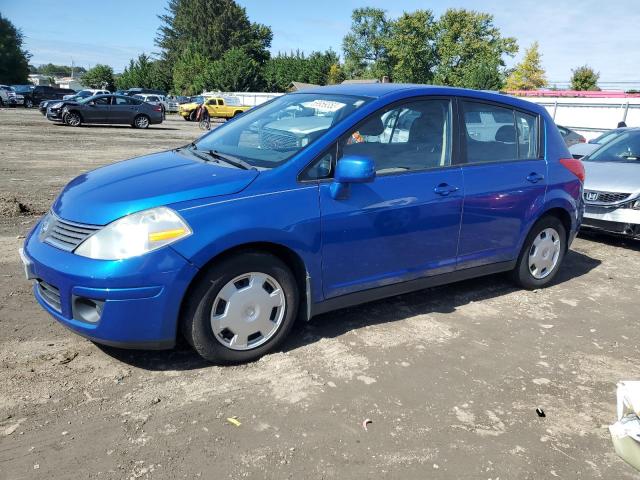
(445, 189)
(534, 177)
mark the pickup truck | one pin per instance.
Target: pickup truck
(220, 107)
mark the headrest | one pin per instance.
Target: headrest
(372, 127)
(506, 133)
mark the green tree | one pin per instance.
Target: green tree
(236, 71)
(100, 76)
(283, 69)
(470, 50)
(584, 78)
(411, 47)
(528, 74)
(143, 72)
(54, 70)
(14, 59)
(212, 27)
(335, 75)
(365, 46)
(318, 66)
(191, 70)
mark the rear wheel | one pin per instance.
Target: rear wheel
(28, 103)
(542, 254)
(73, 119)
(141, 121)
(242, 308)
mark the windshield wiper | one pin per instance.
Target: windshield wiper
(231, 160)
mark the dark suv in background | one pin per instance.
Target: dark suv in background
(40, 93)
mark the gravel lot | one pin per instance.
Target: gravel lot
(450, 377)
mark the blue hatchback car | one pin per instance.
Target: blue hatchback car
(311, 202)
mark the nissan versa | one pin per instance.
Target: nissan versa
(311, 202)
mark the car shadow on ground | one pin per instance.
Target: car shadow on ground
(611, 239)
(444, 299)
(102, 125)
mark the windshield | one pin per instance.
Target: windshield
(624, 148)
(606, 137)
(22, 88)
(197, 99)
(268, 136)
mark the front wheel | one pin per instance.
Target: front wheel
(542, 254)
(241, 308)
(73, 119)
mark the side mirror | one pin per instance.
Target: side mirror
(351, 169)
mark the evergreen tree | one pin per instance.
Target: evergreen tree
(211, 27)
(14, 59)
(528, 74)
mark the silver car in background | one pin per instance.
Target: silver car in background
(612, 185)
(579, 150)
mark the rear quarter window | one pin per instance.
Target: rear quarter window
(498, 133)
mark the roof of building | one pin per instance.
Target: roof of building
(297, 86)
(361, 80)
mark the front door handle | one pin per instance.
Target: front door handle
(445, 189)
(534, 177)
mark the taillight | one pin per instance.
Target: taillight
(582, 140)
(157, 108)
(575, 166)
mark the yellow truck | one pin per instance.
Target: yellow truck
(221, 107)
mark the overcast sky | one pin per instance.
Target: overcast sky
(604, 35)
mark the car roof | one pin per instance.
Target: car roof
(378, 90)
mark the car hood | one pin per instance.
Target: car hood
(623, 177)
(108, 193)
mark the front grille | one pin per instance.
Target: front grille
(65, 235)
(593, 196)
(50, 294)
(278, 140)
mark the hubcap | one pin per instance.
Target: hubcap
(73, 119)
(248, 311)
(142, 122)
(544, 253)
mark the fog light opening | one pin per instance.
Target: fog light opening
(87, 309)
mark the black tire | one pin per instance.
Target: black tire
(73, 119)
(522, 274)
(1, 103)
(141, 121)
(28, 103)
(186, 119)
(196, 312)
(193, 115)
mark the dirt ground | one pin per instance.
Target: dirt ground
(449, 377)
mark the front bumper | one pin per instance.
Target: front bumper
(54, 115)
(139, 298)
(616, 220)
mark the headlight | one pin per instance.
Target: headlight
(135, 234)
(56, 105)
